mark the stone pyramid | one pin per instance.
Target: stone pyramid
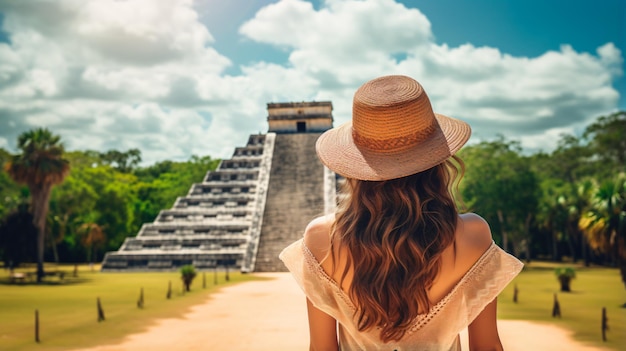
(246, 211)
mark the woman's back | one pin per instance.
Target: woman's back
(472, 238)
(473, 272)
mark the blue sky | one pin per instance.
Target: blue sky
(528, 28)
(179, 78)
(520, 28)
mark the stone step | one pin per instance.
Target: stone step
(246, 211)
(295, 196)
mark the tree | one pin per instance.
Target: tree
(124, 162)
(92, 237)
(569, 162)
(579, 203)
(84, 159)
(552, 214)
(607, 141)
(115, 207)
(560, 209)
(40, 166)
(18, 237)
(71, 203)
(605, 223)
(500, 185)
(11, 194)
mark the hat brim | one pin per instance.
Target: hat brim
(337, 151)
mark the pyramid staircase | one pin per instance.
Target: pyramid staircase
(254, 204)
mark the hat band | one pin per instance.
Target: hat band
(393, 144)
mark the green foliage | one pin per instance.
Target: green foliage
(17, 238)
(96, 194)
(568, 272)
(41, 159)
(11, 194)
(71, 203)
(565, 276)
(607, 142)
(108, 190)
(187, 273)
(9, 189)
(570, 196)
(39, 165)
(569, 162)
(124, 162)
(5, 156)
(556, 204)
(561, 206)
(500, 185)
(604, 224)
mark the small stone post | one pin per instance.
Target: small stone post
(37, 326)
(140, 301)
(556, 308)
(605, 323)
(100, 311)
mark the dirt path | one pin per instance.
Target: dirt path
(271, 315)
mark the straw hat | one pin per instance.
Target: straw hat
(393, 133)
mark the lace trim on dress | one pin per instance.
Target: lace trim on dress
(311, 261)
(508, 267)
(477, 267)
(422, 319)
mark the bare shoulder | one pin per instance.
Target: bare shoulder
(473, 234)
(317, 236)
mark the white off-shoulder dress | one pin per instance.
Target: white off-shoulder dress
(437, 330)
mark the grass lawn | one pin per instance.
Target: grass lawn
(581, 309)
(68, 308)
(68, 312)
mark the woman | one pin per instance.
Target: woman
(396, 267)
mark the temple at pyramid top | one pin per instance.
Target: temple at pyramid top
(300, 117)
(246, 211)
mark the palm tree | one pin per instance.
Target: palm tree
(605, 223)
(40, 166)
(581, 201)
(553, 214)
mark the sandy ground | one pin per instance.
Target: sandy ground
(271, 315)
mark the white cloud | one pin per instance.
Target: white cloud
(348, 42)
(141, 31)
(547, 139)
(119, 74)
(111, 74)
(344, 43)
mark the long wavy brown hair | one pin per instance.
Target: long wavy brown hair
(394, 233)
